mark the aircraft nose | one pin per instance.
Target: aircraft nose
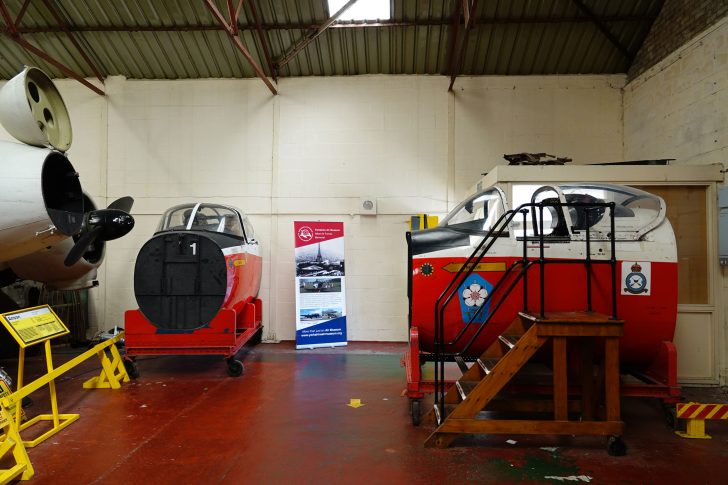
(180, 280)
(436, 239)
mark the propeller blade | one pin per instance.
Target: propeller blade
(82, 245)
(102, 225)
(123, 204)
(115, 223)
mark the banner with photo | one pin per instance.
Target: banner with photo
(320, 284)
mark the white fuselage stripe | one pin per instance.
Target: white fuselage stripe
(253, 249)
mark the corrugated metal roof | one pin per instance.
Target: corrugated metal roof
(172, 39)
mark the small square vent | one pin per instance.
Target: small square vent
(368, 206)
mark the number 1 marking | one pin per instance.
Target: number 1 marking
(194, 248)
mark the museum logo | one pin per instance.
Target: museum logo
(305, 234)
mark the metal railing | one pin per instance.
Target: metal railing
(520, 269)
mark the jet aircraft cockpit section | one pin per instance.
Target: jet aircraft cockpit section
(204, 217)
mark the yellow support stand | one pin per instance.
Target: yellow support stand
(113, 372)
(29, 327)
(694, 429)
(12, 444)
(60, 421)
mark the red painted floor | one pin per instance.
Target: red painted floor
(286, 420)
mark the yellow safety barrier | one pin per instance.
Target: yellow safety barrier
(12, 444)
(113, 374)
(696, 414)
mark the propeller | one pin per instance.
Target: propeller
(102, 225)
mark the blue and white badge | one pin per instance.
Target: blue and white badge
(473, 293)
(636, 277)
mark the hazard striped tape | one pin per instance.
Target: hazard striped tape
(693, 410)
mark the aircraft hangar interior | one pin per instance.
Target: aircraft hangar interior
(363, 241)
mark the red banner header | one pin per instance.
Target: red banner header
(316, 232)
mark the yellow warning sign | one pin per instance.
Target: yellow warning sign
(479, 268)
(32, 325)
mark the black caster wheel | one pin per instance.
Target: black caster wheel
(616, 447)
(415, 410)
(131, 368)
(257, 338)
(235, 368)
(670, 416)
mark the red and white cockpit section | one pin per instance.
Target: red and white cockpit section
(645, 251)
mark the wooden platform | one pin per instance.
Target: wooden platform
(596, 413)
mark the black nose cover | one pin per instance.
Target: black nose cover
(180, 280)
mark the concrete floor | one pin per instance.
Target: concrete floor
(286, 420)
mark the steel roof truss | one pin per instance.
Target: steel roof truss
(263, 38)
(12, 32)
(64, 25)
(306, 40)
(604, 30)
(235, 38)
(456, 61)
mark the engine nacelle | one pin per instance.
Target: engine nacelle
(49, 230)
(47, 266)
(33, 112)
(41, 197)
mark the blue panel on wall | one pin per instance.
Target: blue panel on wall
(723, 225)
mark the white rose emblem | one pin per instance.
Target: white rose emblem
(474, 295)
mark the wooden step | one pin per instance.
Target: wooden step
(487, 365)
(575, 324)
(464, 388)
(461, 364)
(568, 317)
(509, 341)
(447, 408)
(518, 326)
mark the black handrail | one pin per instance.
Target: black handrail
(469, 266)
(479, 253)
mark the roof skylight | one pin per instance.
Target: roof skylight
(362, 10)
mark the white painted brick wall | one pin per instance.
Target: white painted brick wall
(575, 116)
(311, 153)
(677, 109)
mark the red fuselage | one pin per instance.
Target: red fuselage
(649, 320)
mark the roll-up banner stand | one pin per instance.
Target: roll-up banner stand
(320, 284)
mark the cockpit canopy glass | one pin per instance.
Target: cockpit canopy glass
(478, 214)
(635, 211)
(202, 217)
